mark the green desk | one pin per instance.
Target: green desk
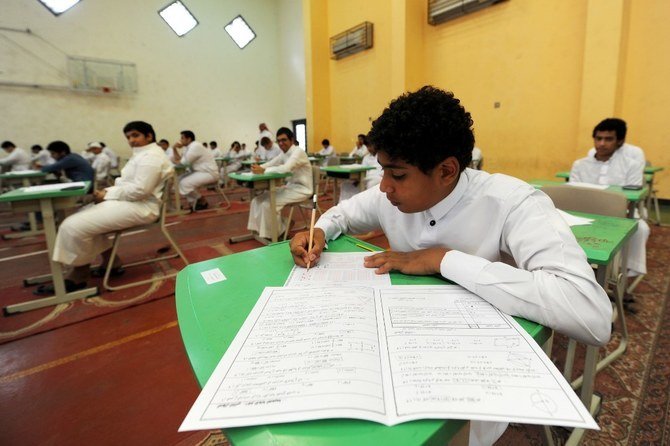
(25, 179)
(565, 175)
(259, 183)
(340, 172)
(633, 196)
(47, 202)
(349, 159)
(652, 199)
(210, 316)
(252, 162)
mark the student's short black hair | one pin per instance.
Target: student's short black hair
(235, 143)
(326, 142)
(189, 134)
(265, 140)
(165, 141)
(287, 132)
(612, 124)
(7, 145)
(424, 128)
(143, 127)
(36, 148)
(364, 138)
(58, 147)
(213, 143)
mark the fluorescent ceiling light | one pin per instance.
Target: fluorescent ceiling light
(240, 32)
(57, 7)
(178, 18)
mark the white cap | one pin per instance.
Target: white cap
(94, 144)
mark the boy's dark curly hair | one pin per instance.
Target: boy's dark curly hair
(424, 128)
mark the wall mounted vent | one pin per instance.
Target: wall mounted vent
(440, 11)
(351, 41)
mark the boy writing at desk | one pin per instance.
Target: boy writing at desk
(441, 218)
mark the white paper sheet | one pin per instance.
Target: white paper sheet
(51, 187)
(588, 185)
(573, 220)
(337, 268)
(350, 166)
(388, 355)
(22, 172)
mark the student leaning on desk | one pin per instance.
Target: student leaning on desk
(440, 217)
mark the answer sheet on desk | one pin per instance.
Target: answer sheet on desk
(388, 355)
(344, 268)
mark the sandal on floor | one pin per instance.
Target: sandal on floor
(48, 289)
(114, 272)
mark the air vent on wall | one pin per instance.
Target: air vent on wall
(351, 41)
(442, 10)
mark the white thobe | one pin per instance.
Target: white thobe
(133, 200)
(476, 157)
(359, 152)
(18, 159)
(372, 178)
(326, 152)
(113, 157)
(620, 170)
(298, 187)
(43, 158)
(273, 153)
(629, 150)
(485, 217)
(203, 171)
(236, 159)
(101, 164)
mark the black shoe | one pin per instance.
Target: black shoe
(200, 206)
(48, 289)
(114, 272)
(628, 298)
(25, 226)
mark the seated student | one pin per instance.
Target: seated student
(203, 169)
(16, 159)
(360, 149)
(102, 164)
(298, 186)
(272, 150)
(236, 155)
(326, 152)
(476, 162)
(372, 177)
(169, 151)
(214, 147)
(113, 157)
(133, 200)
(41, 156)
(612, 164)
(75, 167)
(629, 150)
(441, 218)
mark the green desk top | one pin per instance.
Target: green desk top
(20, 194)
(603, 238)
(222, 158)
(258, 176)
(26, 174)
(211, 315)
(340, 169)
(648, 173)
(251, 162)
(631, 195)
(653, 169)
(565, 174)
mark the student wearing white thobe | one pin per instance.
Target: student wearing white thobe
(113, 157)
(621, 128)
(203, 169)
(133, 200)
(360, 149)
(16, 159)
(476, 158)
(372, 177)
(327, 151)
(610, 165)
(271, 149)
(236, 155)
(443, 218)
(41, 156)
(298, 186)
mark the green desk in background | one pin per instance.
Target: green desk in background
(47, 202)
(211, 315)
(259, 183)
(349, 159)
(24, 178)
(346, 173)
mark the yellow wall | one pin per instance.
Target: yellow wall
(556, 68)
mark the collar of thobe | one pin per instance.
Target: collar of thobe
(137, 150)
(614, 155)
(443, 207)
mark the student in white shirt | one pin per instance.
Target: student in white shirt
(236, 155)
(16, 159)
(264, 133)
(133, 200)
(41, 156)
(441, 218)
(611, 164)
(629, 150)
(272, 150)
(476, 162)
(102, 164)
(214, 147)
(360, 149)
(113, 157)
(203, 169)
(372, 177)
(326, 152)
(298, 187)
(169, 151)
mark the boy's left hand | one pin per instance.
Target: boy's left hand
(422, 262)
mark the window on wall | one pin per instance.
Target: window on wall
(300, 131)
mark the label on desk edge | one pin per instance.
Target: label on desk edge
(213, 275)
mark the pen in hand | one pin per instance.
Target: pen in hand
(311, 232)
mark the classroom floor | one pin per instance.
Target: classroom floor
(113, 370)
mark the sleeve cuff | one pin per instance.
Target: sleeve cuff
(462, 268)
(112, 193)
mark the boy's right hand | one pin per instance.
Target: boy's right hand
(300, 244)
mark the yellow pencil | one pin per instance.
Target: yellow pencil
(367, 248)
(311, 231)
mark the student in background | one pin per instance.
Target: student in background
(264, 132)
(360, 149)
(214, 147)
(236, 155)
(169, 151)
(619, 125)
(75, 167)
(327, 151)
(41, 156)
(133, 200)
(298, 186)
(372, 177)
(476, 162)
(611, 163)
(272, 150)
(203, 169)
(16, 159)
(441, 218)
(113, 157)
(101, 164)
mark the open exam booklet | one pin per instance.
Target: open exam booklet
(385, 354)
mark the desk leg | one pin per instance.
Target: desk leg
(274, 223)
(336, 191)
(25, 182)
(361, 181)
(46, 206)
